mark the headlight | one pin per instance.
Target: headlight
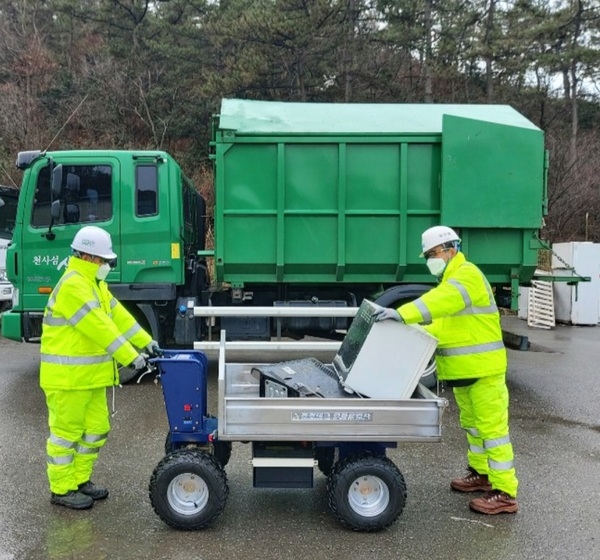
(2, 275)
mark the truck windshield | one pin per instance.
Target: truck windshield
(8, 211)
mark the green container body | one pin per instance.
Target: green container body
(314, 193)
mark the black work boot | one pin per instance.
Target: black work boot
(72, 500)
(94, 491)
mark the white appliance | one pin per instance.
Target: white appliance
(577, 304)
(380, 360)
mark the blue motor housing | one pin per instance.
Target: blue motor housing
(183, 376)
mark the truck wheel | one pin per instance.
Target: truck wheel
(220, 449)
(127, 374)
(169, 445)
(366, 493)
(429, 377)
(325, 457)
(399, 295)
(188, 489)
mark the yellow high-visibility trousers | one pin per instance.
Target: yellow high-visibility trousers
(483, 413)
(79, 423)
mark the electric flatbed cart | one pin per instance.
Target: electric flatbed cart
(340, 417)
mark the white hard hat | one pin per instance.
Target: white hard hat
(437, 235)
(94, 241)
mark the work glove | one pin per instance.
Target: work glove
(153, 348)
(139, 363)
(387, 314)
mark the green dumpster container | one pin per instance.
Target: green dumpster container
(338, 195)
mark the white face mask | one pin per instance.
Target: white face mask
(103, 271)
(436, 266)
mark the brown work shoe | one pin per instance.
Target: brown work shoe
(473, 482)
(494, 502)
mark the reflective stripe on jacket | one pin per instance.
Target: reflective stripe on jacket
(462, 314)
(85, 329)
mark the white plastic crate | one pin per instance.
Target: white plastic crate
(540, 305)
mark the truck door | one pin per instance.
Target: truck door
(87, 198)
(151, 228)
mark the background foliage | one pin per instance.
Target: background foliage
(150, 74)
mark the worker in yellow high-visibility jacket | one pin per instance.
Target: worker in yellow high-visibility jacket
(85, 332)
(462, 314)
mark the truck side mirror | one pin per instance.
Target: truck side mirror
(57, 175)
(55, 215)
(55, 210)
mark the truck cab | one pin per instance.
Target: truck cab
(141, 198)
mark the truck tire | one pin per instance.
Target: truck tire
(188, 489)
(325, 457)
(399, 295)
(127, 374)
(366, 493)
(220, 449)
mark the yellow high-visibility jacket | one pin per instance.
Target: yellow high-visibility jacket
(461, 313)
(85, 329)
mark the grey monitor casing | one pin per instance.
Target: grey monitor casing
(383, 360)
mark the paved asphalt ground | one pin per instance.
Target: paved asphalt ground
(555, 429)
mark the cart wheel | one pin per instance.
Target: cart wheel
(325, 457)
(188, 489)
(366, 493)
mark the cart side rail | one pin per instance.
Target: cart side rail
(277, 312)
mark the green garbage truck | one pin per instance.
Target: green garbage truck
(315, 204)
